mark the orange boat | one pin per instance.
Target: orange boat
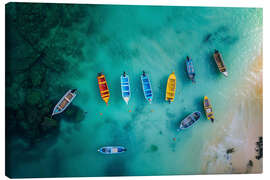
(103, 88)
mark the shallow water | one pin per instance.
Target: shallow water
(156, 40)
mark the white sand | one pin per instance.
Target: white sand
(240, 129)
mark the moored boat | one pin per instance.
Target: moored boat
(220, 63)
(208, 109)
(64, 101)
(112, 149)
(171, 87)
(147, 90)
(125, 87)
(190, 69)
(189, 120)
(103, 88)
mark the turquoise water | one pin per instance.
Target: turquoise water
(156, 40)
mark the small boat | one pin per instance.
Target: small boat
(190, 69)
(171, 87)
(220, 63)
(189, 120)
(103, 88)
(112, 149)
(125, 87)
(147, 90)
(64, 101)
(208, 109)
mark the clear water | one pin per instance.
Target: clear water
(156, 40)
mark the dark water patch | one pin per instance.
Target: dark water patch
(56, 163)
(183, 75)
(153, 148)
(128, 126)
(35, 84)
(223, 35)
(116, 168)
(74, 114)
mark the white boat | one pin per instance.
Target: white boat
(112, 149)
(64, 101)
(125, 87)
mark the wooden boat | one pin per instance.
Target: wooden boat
(147, 90)
(189, 120)
(171, 87)
(208, 109)
(125, 87)
(64, 101)
(112, 150)
(220, 63)
(190, 69)
(103, 88)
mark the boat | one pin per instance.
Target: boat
(189, 120)
(220, 63)
(64, 101)
(171, 87)
(103, 88)
(147, 90)
(208, 109)
(112, 149)
(190, 69)
(125, 87)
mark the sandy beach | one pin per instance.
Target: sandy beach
(240, 129)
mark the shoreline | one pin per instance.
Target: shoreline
(240, 130)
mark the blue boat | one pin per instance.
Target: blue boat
(190, 69)
(147, 90)
(112, 149)
(189, 120)
(125, 87)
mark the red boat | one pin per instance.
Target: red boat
(103, 88)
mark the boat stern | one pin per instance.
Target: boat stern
(106, 100)
(225, 73)
(126, 99)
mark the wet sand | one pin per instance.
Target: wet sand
(240, 130)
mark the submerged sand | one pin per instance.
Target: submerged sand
(240, 128)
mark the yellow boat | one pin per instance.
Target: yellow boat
(208, 109)
(171, 87)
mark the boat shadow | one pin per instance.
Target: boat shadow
(211, 65)
(161, 93)
(182, 74)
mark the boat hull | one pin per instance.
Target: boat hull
(189, 120)
(64, 102)
(220, 63)
(208, 109)
(103, 88)
(112, 150)
(190, 69)
(147, 90)
(125, 87)
(171, 87)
